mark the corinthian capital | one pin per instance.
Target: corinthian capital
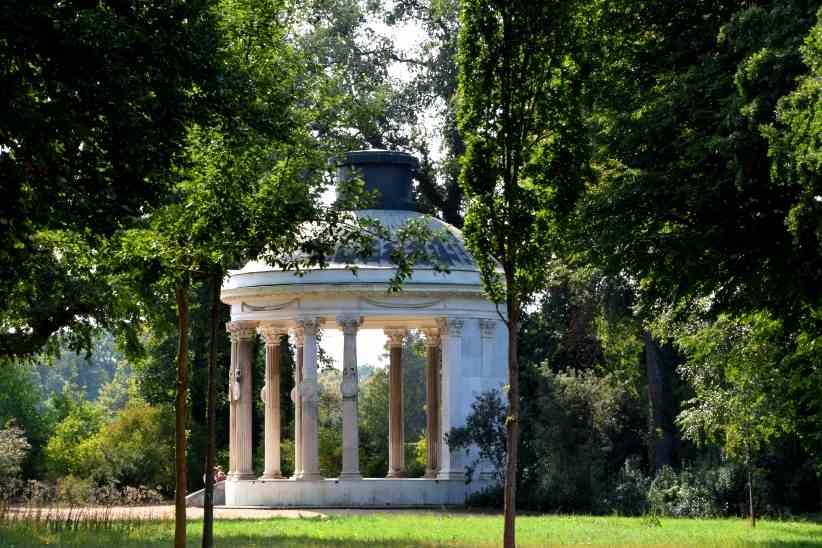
(432, 337)
(241, 331)
(395, 336)
(488, 328)
(451, 327)
(271, 334)
(309, 326)
(348, 324)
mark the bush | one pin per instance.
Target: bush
(136, 448)
(13, 450)
(74, 491)
(569, 426)
(629, 494)
(71, 445)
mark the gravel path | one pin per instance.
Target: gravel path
(165, 512)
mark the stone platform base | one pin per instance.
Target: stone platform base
(336, 493)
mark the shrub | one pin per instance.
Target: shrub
(73, 490)
(13, 450)
(629, 494)
(71, 445)
(681, 495)
(136, 448)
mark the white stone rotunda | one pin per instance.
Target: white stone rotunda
(466, 355)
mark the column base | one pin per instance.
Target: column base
(272, 476)
(431, 474)
(450, 475)
(396, 474)
(241, 476)
(350, 476)
(309, 477)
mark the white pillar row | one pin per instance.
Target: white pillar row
(270, 394)
(240, 454)
(451, 336)
(297, 341)
(309, 395)
(349, 388)
(432, 402)
(396, 433)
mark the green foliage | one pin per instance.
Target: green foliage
(485, 429)
(98, 97)
(741, 401)
(135, 448)
(73, 445)
(13, 450)
(520, 113)
(22, 402)
(573, 420)
(373, 419)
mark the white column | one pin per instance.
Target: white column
(240, 457)
(451, 334)
(295, 397)
(309, 394)
(270, 394)
(432, 402)
(349, 388)
(396, 430)
(488, 333)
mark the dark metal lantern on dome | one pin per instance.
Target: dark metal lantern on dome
(387, 172)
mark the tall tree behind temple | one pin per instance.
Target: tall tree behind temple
(702, 196)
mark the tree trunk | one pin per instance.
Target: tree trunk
(512, 427)
(181, 411)
(211, 413)
(662, 404)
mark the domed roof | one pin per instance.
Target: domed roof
(377, 270)
(388, 174)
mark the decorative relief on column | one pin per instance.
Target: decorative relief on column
(238, 332)
(349, 386)
(309, 397)
(240, 406)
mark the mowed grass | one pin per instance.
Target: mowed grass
(401, 530)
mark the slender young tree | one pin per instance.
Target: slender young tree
(519, 109)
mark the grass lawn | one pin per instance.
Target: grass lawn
(428, 530)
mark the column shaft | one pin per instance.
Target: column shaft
(298, 411)
(309, 394)
(432, 402)
(349, 388)
(450, 379)
(396, 434)
(240, 412)
(270, 395)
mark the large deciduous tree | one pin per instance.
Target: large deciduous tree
(707, 195)
(96, 98)
(520, 110)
